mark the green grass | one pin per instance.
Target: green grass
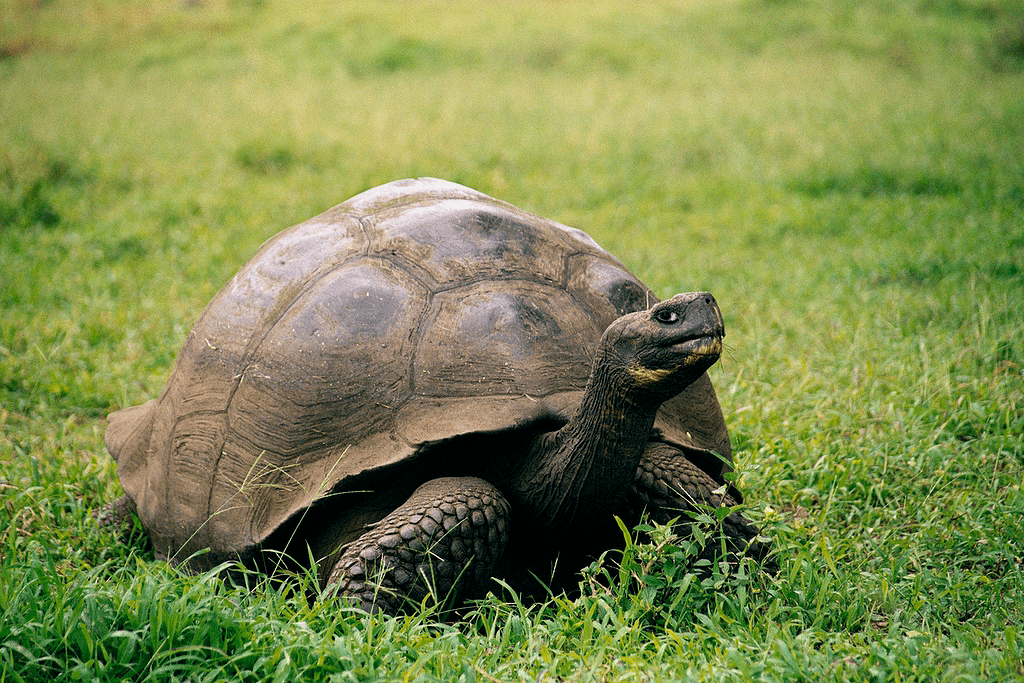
(846, 177)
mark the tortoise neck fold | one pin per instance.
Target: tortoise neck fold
(581, 471)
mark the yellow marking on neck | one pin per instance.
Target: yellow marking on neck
(644, 376)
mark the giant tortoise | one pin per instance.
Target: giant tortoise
(420, 389)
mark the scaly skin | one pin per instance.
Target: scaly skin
(669, 486)
(450, 530)
(118, 515)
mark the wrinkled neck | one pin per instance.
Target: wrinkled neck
(581, 470)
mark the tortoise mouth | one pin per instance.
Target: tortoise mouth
(702, 345)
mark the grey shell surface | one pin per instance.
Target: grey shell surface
(414, 312)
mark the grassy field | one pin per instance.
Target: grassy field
(846, 177)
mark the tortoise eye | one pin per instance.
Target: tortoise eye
(666, 316)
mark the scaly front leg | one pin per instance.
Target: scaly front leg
(444, 541)
(670, 486)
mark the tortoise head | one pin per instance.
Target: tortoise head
(660, 351)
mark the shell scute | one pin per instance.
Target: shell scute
(457, 240)
(521, 338)
(605, 288)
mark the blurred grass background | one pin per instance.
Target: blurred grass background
(846, 177)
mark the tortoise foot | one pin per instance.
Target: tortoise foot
(443, 542)
(670, 487)
(117, 515)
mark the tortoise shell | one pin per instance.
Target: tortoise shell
(360, 340)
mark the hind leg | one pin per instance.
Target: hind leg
(445, 541)
(118, 515)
